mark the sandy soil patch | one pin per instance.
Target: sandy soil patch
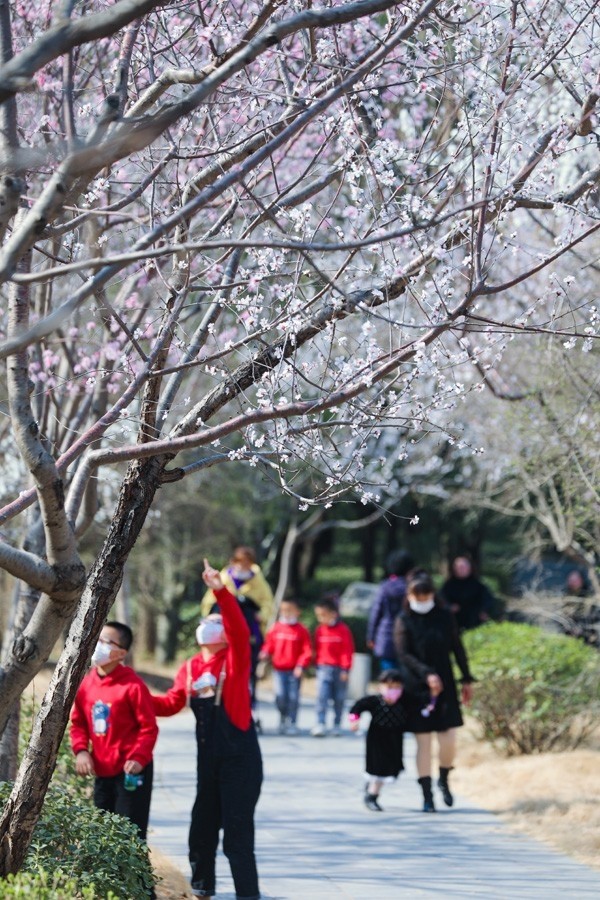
(554, 797)
(172, 884)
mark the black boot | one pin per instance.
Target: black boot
(371, 802)
(444, 787)
(428, 805)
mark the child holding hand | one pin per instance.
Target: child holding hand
(390, 710)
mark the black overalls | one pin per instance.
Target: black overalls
(229, 781)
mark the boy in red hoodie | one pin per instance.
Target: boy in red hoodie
(334, 648)
(287, 644)
(113, 730)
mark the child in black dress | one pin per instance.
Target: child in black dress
(390, 711)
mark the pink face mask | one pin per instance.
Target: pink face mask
(391, 694)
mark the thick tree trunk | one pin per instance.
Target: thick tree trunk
(31, 649)
(8, 607)
(50, 560)
(26, 600)
(24, 805)
(9, 738)
(9, 744)
(123, 605)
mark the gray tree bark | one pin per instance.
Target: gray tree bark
(24, 805)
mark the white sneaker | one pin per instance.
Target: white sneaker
(282, 728)
(292, 729)
(336, 731)
(318, 731)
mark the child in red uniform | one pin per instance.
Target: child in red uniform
(229, 765)
(334, 648)
(288, 645)
(113, 730)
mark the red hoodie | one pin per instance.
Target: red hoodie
(115, 715)
(235, 659)
(334, 645)
(288, 646)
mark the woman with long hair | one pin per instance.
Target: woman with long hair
(426, 637)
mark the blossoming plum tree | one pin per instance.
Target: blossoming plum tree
(271, 232)
(541, 431)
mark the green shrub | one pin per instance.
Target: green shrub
(536, 691)
(42, 886)
(97, 850)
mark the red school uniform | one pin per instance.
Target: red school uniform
(288, 646)
(233, 660)
(334, 645)
(113, 717)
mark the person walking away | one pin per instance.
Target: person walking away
(113, 730)
(466, 596)
(288, 646)
(390, 711)
(386, 606)
(229, 765)
(334, 649)
(426, 637)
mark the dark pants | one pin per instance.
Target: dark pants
(229, 782)
(110, 794)
(254, 655)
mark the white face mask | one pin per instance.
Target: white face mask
(101, 654)
(288, 620)
(421, 606)
(209, 632)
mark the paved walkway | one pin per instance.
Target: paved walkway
(316, 841)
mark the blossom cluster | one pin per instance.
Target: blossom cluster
(329, 239)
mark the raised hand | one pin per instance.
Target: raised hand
(212, 577)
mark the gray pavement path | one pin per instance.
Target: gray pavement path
(316, 840)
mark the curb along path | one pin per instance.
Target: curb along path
(316, 840)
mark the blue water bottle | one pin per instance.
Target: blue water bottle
(131, 782)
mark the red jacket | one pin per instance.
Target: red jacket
(114, 719)
(288, 646)
(234, 659)
(334, 645)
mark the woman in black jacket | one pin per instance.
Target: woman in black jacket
(425, 637)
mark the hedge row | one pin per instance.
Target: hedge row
(536, 691)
